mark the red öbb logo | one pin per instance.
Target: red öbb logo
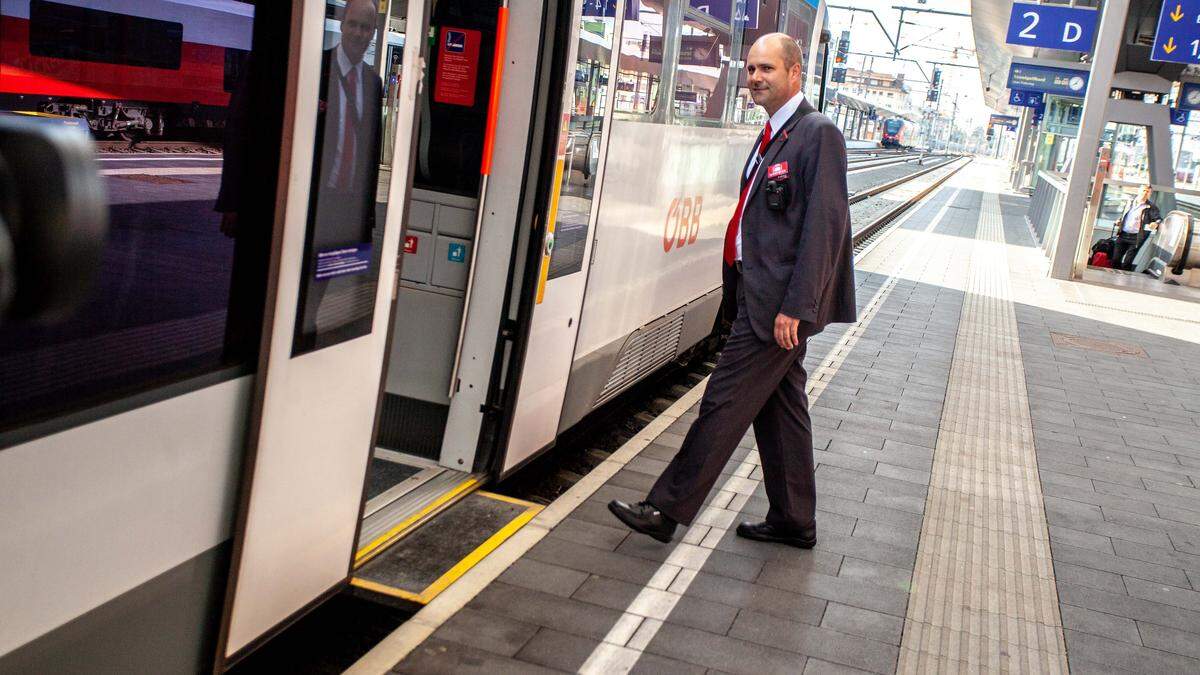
(682, 226)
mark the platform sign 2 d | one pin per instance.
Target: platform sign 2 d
(1177, 38)
(1026, 99)
(1052, 26)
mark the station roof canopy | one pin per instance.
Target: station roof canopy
(989, 22)
(859, 103)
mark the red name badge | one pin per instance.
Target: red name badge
(777, 170)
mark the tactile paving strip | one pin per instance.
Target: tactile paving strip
(984, 594)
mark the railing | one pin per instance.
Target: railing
(1045, 208)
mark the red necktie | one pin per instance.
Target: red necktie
(349, 122)
(732, 230)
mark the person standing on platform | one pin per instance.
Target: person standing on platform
(788, 270)
(1134, 228)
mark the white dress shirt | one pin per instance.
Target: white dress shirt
(779, 119)
(344, 65)
(1133, 218)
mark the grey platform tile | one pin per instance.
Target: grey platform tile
(1080, 539)
(1122, 476)
(824, 457)
(543, 609)
(566, 652)
(763, 599)
(822, 643)
(723, 653)
(890, 485)
(819, 667)
(816, 560)
(835, 488)
(863, 623)
(1129, 607)
(887, 576)
(822, 439)
(1119, 525)
(597, 535)
(1160, 555)
(1086, 576)
(721, 563)
(1187, 516)
(1176, 477)
(901, 502)
(540, 576)
(837, 589)
(1098, 499)
(593, 560)
(1055, 478)
(894, 452)
(484, 630)
(900, 537)
(1099, 623)
(871, 512)
(1124, 566)
(688, 610)
(1171, 640)
(1125, 656)
(633, 480)
(438, 657)
(918, 476)
(1176, 596)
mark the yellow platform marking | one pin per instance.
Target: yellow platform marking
(375, 547)
(463, 566)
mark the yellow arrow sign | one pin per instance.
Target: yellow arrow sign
(1177, 14)
(1170, 46)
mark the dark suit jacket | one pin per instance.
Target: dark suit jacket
(1149, 215)
(342, 217)
(798, 261)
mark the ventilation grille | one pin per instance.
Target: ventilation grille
(648, 350)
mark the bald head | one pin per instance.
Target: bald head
(788, 48)
(773, 70)
(358, 27)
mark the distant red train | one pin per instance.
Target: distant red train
(133, 68)
(897, 133)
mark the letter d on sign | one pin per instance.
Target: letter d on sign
(1072, 32)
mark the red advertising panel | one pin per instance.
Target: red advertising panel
(458, 66)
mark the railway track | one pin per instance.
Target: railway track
(610, 427)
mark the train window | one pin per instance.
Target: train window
(640, 68)
(347, 203)
(190, 177)
(587, 98)
(702, 74)
(82, 34)
(768, 19)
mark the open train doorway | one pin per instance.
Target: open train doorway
(460, 241)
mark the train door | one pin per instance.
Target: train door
(123, 417)
(570, 211)
(348, 148)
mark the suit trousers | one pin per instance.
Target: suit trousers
(757, 383)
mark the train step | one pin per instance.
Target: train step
(419, 566)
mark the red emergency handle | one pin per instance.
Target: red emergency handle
(489, 137)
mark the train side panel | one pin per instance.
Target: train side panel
(654, 287)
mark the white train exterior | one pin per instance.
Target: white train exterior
(175, 528)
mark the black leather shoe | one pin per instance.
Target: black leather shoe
(643, 517)
(803, 538)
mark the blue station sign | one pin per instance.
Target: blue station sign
(1026, 99)
(1178, 36)
(1052, 26)
(1048, 79)
(1179, 116)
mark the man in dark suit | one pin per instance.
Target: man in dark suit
(789, 272)
(1133, 228)
(348, 140)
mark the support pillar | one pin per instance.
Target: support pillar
(1095, 111)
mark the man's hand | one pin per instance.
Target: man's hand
(787, 331)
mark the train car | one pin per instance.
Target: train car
(130, 68)
(246, 410)
(897, 133)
